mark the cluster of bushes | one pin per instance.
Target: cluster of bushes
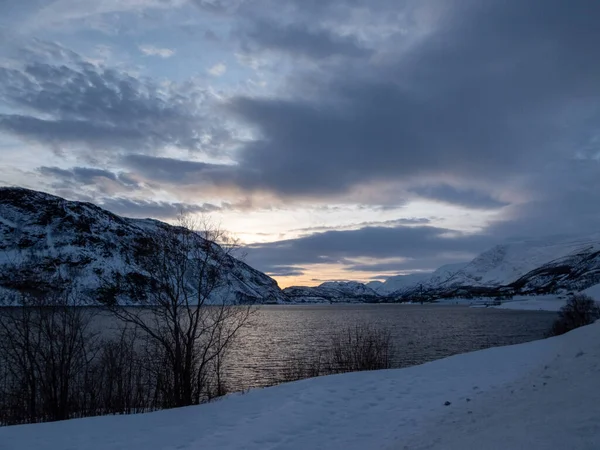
(353, 349)
(579, 311)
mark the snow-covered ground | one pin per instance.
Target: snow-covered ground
(544, 302)
(524, 303)
(593, 292)
(534, 303)
(538, 395)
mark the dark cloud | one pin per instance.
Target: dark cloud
(82, 175)
(495, 88)
(81, 104)
(447, 94)
(565, 202)
(286, 271)
(183, 172)
(469, 198)
(342, 247)
(69, 182)
(417, 264)
(103, 181)
(387, 223)
(160, 210)
(301, 40)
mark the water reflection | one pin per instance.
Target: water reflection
(281, 334)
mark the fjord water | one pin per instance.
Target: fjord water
(280, 335)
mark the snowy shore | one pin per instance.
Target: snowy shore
(538, 395)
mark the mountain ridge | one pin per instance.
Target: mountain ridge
(82, 236)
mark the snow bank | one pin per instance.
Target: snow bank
(593, 292)
(545, 302)
(534, 303)
(540, 395)
(523, 303)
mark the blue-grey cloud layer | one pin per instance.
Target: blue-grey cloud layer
(76, 104)
(452, 100)
(342, 247)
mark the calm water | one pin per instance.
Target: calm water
(280, 334)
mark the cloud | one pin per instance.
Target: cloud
(217, 70)
(64, 11)
(286, 271)
(77, 178)
(181, 172)
(411, 243)
(492, 107)
(562, 202)
(83, 175)
(79, 105)
(301, 40)
(385, 223)
(482, 95)
(151, 50)
(469, 198)
(411, 265)
(159, 210)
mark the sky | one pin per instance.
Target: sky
(336, 139)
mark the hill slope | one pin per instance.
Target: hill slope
(42, 232)
(332, 292)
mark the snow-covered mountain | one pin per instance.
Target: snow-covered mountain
(352, 288)
(579, 270)
(503, 264)
(42, 232)
(332, 292)
(526, 267)
(398, 283)
(444, 274)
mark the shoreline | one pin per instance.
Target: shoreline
(530, 395)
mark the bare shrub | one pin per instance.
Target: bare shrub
(352, 349)
(361, 347)
(301, 367)
(580, 310)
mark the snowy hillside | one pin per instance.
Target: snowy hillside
(42, 232)
(332, 292)
(504, 264)
(576, 271)
(444, 274)
(352, 288)
(401, 284)
(398, 283)
(532, 267)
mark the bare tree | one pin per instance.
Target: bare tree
(189, 313)
(46, 345)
